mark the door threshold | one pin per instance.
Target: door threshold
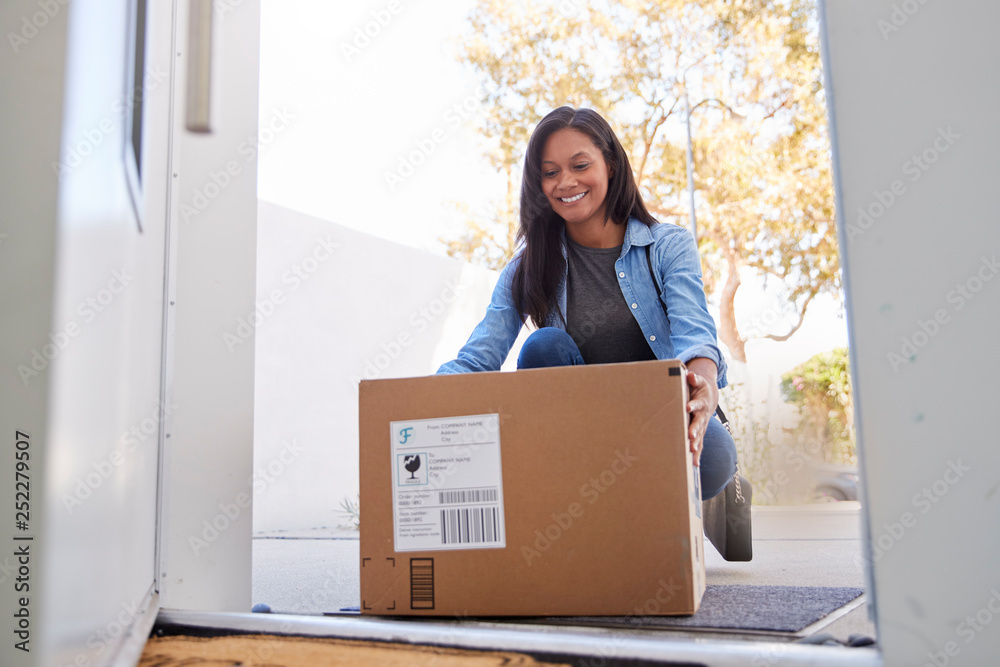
(608, 644)
(629, 623)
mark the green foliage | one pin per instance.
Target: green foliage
(780, 468)
(821, 389)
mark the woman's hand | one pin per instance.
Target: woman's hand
(703, 394)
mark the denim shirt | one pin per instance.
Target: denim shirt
(689, 332)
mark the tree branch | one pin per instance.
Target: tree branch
(650, 137)
(802, 317)
(772, 114)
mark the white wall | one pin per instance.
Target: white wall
(914, 100)
(336, 305)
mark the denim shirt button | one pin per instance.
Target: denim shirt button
(635, 305)
(652, 338)
(621, 274)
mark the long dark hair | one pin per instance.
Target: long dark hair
(536, 278)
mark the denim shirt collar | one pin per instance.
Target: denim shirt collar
(636, 233)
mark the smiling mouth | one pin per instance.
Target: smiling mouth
(570, 200)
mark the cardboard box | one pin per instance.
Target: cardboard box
(556, 492)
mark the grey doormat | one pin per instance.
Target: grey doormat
(767, 608)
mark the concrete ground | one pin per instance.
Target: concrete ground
(317, 572)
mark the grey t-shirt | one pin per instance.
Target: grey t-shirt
(597, 318)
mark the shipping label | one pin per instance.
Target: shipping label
(447, 483)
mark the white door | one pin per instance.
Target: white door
(913, 101)
(103, 285)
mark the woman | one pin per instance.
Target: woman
(584, 277)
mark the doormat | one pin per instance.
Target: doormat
(741, 607)
(285, 651)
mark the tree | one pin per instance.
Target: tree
(750, 72)
(821, 389)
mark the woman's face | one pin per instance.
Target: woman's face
(575, 177)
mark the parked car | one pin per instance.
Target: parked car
(833, 482)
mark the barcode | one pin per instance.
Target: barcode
(470, 525)
(467, 496)
(421, 583)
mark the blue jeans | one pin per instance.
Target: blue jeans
(549, 346)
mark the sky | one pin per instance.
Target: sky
(374, 88)
(376, 92)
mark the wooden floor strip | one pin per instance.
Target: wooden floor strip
(283, 651)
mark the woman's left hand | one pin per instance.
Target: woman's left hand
(703, 393)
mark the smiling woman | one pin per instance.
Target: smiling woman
(590, 273)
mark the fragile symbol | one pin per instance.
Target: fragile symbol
(412, 464)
